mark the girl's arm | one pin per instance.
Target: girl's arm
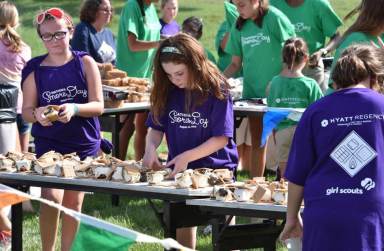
(30, 112)
(95, 105)
(293, 227)
(140, 45)
(153, 141)
(212, 145)
(332, 45)
(233, 67)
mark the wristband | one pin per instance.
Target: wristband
(75, 109)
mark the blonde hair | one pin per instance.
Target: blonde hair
(9, 20)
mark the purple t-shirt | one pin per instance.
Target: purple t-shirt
(56, 86)
(337, 154)
(169, 29)
(185, 131)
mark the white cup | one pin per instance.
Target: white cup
(294, 244)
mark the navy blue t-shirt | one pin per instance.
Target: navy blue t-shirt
(99, 45)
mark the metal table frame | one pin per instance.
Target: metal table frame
(171, 216)
(239, 236)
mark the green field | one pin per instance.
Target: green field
(132, 213)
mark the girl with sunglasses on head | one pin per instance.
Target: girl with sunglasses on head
(91, 34)
(71, 80)
(255, 43)
(137, 39)
(191, 106)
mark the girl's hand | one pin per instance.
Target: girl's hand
(67, 111)
(180, 163)
(151, 160)
(39, 116)
(293, 229)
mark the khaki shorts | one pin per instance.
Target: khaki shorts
(243, 135)
(283, 142)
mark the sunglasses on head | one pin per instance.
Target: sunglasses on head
(54, 12)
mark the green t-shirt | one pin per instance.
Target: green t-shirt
(224, 58)
(297, 92)
(260, 50)
(210, 56)
(314, 21)
(352, 38)
(147, 28)
(231, 13)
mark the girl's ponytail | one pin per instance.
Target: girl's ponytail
(9, 19)
(295, 51)
(11, 38)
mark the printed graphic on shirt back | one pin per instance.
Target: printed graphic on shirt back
(353, 153)
(188, 120)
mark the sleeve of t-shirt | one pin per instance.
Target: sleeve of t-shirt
(302, 155)
(132, 17)
(330, 21)
(80, 39)
(233, 46)
(150, 123)
(221, 118)
(282, 28)
(219, 36)
(315, 93)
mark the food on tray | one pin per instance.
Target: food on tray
(184, 179)
(6, 164)
(280, 196)
(114, 73)
(49, 164)
(131, 176)
(112, 82)
(243, 193)
(223, 194)
(52, 112)
(200, 177)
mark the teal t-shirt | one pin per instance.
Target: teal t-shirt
(297, 92)
(224, 58)
(231, 13)
(210, 56)
(146, 28)
(352, 38)
(260, 50)
(314, 21)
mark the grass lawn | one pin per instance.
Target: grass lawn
(132, 213)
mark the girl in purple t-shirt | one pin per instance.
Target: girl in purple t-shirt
(70, 80)
(191, 105)
(336, 160)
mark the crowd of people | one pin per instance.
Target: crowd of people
(276, 47)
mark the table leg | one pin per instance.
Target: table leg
(116, 150)
(17, 227)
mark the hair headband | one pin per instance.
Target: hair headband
(171, 49)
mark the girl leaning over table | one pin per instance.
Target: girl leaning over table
(71, 80)
(191, 106)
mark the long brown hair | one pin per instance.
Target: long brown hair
(357, 63)
(294, 51)
(9, 20)
(370, 17)
(204, 77)
(261, 12)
